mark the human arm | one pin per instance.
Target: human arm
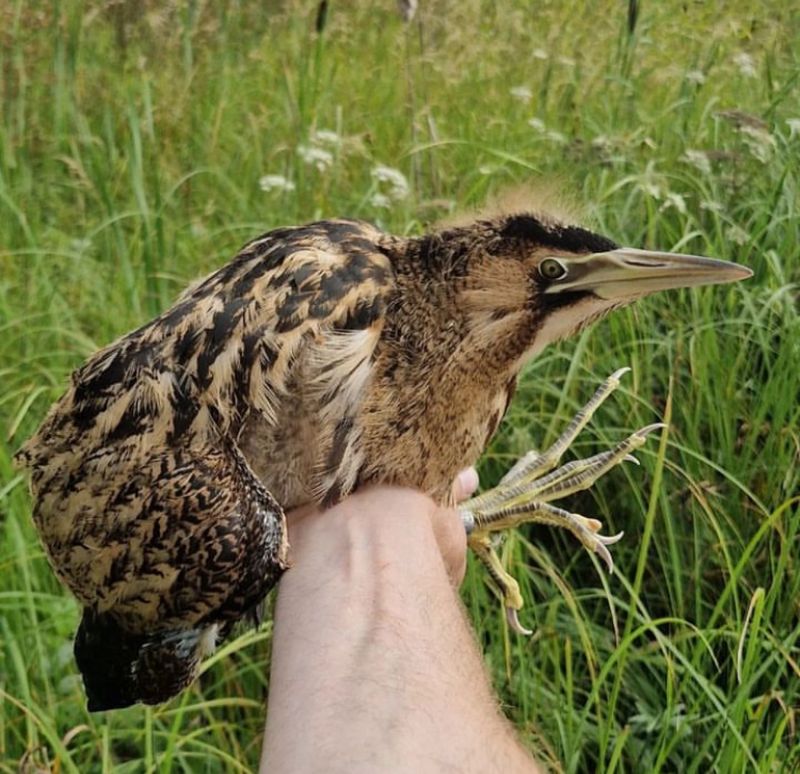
(374, 665)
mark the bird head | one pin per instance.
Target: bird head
(555, 279)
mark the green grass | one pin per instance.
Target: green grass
(132, 141)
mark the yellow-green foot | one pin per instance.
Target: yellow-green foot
(525, 493)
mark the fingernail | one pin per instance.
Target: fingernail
(467, 481)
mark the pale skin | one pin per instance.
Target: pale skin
(374, 665)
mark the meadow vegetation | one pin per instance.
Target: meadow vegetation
(142, 143)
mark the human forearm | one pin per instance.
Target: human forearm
(374, 667)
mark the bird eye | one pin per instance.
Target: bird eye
(552, 269)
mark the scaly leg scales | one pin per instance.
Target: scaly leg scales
(524, 495)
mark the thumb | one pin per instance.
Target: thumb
(465, 483)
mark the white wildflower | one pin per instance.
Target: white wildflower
(651, 183)
(674, 201)
(651, 189)
(794, 127)
(549, 134)
(711, 205)
(759, 141)
(522, 93)
(537, 124)
(540, 53)
(326, 137)
(758, 134)
(698, 159)
(737, 235)
(746, 65)
(380, 201)
(556, 137)
(698, 77)
(317, 157)
(394, 178)
(275, 183)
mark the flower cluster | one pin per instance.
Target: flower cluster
(745, 64)
(391, 185)
(313, 155)
(319, 152)
(522, 93)
(551, 135)
(275, 183)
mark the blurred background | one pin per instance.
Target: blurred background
(143, 142)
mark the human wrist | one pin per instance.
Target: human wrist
(368, 550)
(367, 618)
(375, 526)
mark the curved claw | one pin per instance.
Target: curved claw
(605, 555)
(609, 540)
(512, 616)
(649, 429)
(600, 548)
(630, 458)
(619, 372)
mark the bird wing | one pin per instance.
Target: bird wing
(189, 536)
(296, 309)
(189, 542)
(231, 345)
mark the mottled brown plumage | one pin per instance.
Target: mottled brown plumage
(319, 359)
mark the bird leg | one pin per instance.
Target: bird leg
(524, 495)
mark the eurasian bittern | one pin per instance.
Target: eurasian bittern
(320, 359)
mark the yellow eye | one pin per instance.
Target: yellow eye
(552, 269)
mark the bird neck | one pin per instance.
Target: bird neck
(435, 257)
(457, 304)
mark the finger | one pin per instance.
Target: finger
(448, 530)
(466, 482)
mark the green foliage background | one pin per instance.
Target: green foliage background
(133, 137)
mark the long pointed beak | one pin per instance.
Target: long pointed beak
(629, 273)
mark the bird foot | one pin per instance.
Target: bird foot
(525, 493)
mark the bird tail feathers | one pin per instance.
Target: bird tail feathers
(120, 668)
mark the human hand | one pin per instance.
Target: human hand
(374, 666)
(390, 509)
(448, 529)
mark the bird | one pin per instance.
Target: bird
(322, 358)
